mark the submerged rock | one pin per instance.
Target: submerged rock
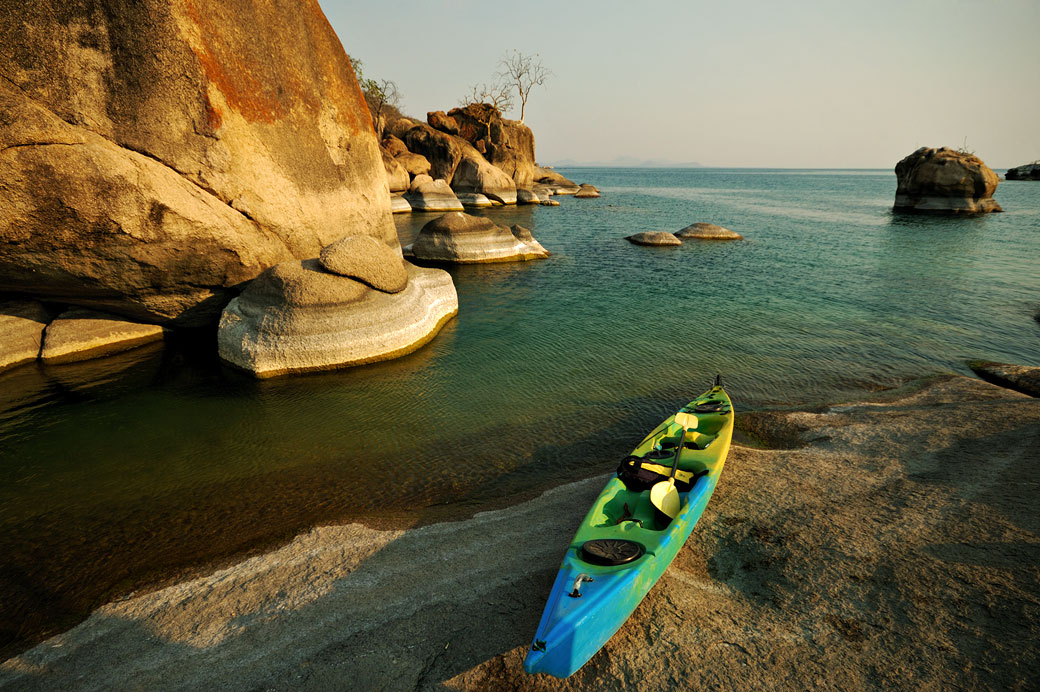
(297, 317)
(157, 154)
(79, 334)
(707, 231)
(1021, 378)
(21, 331)
(427, 194)
(654, 238)
(1030, 171)
(366, 259)
(462, 238)
(945, 181)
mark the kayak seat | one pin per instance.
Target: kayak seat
(700, 441)
(611, 551)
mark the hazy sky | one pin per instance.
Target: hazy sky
(790, 83)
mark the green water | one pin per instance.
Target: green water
(121, 471)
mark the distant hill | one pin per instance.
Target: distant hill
(626, 162)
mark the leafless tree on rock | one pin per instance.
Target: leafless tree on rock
(523, 72)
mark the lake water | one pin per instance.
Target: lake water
(141, 467)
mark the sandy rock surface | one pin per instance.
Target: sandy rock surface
(894, 546)
(80, 334)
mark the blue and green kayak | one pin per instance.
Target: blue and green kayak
(625, 543)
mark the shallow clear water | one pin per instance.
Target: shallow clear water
(124, 469)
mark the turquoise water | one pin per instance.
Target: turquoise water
(128, 469)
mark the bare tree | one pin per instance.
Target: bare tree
(523, 72)
(498, 95)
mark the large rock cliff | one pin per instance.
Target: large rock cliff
(155, 155)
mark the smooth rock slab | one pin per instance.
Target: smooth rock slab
(465, 239)
(658, 238)
(80, 334)
(399, 205)
(707, 231)
(21, 331)
(366, 259)
(1021, 378)
(296, 317)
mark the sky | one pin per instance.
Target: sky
(757, 83)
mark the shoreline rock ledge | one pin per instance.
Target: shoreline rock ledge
(945, 181)
(300, 317)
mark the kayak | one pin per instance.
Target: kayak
(626, 542)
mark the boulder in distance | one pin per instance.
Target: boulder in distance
(944, 181)
(1029, 171)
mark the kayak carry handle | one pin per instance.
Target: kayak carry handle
(576, 589)
(718, 381)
